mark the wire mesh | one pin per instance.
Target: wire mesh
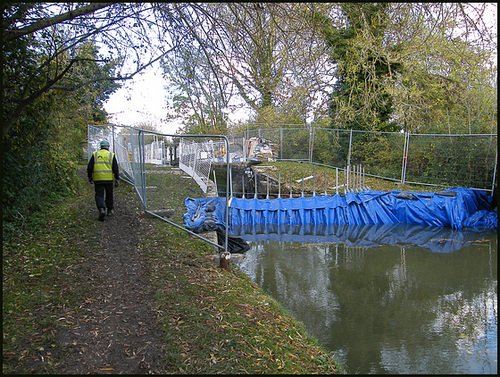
(452, 160)
(196, 159)
(146, 160)
(427, 159)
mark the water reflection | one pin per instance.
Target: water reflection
(440, 240)
(383, 304)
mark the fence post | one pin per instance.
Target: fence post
(311, 144)
(281, 143)
(405, 157)
(113, 137)
(142, 162)
(494, 175)
(245, 152)
(349, 151)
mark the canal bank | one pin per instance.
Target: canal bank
(135, 295)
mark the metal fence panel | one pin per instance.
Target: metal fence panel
(295, 144)
(452, 160)
(427, 159)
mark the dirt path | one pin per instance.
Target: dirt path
(115, 330)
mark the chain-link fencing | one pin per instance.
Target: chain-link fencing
(427, 159)
(151, 162)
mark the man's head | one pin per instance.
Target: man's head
(104, 144)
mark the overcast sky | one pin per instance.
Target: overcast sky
(143, 100)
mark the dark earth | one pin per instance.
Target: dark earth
(116, 330)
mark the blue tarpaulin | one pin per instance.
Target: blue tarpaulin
(453, 208)
(437, 240)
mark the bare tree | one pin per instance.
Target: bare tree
(40, 40)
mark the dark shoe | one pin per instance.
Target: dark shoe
(110, 212)
(102, 214)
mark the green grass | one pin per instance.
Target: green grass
(39, 282)
(219, 321)
(303, 170)
(213, 321)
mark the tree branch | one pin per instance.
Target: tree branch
(84, 10)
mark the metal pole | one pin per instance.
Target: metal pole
(302, 186)
(267, 196)
(279, 185)
(228, 179)
(405, 154)
(356, 174)
(230, 176)
(326, 193)
(336, 181)
(353, 181)
(314, 181)
(353, 178)
(113, 137)
(186, 230)
(245, 152)
(243, 186)
(143, 167)
(364, 179)
(255, 188)
(215, 183)
(359, 178)
(281, 143)
(349, 151)
(494, 174)
(291, 195)
(347, 169)
(345, 179)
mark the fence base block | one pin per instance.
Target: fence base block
(225, 260)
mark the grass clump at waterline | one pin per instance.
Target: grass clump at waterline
(211, 320)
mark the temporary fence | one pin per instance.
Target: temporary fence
(196, 157)
(447, 160)
(459, 160)
(139, 151)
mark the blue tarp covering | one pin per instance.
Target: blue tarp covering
(453, 208)
(195, 216)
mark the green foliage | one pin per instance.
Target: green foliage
(271, 115)
(36, 172)
(359, 99)
(43, 144)
(197, 95)
(417, 67)
(38, 282)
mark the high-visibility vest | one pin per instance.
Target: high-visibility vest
(103, 165)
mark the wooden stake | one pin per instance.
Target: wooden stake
(225, 260)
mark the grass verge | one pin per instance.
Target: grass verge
(213, 321)
(42, 265)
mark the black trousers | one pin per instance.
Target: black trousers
(104, 194)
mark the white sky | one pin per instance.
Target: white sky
(140, 100)
(143, 99)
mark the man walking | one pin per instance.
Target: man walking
(101, 169)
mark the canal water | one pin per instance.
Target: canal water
(383, 304)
